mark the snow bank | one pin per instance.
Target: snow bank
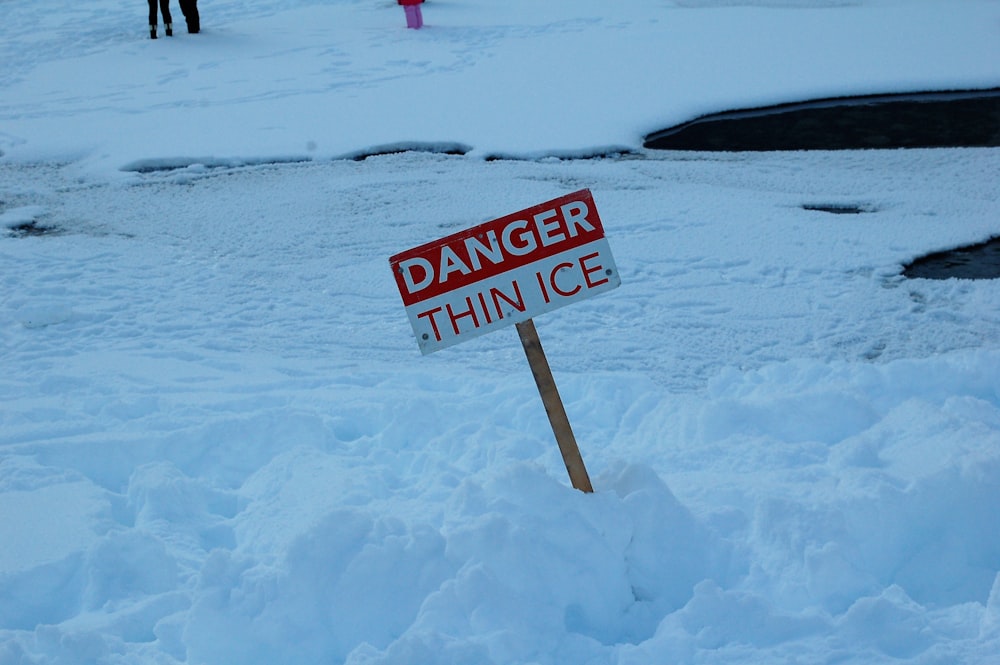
(873, 538)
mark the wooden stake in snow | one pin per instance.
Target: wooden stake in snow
(553, 406)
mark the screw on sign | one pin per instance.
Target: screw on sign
(505, 272)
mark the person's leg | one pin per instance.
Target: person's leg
(190, 10)
(167, 20)
(194, 20)
(152, 19)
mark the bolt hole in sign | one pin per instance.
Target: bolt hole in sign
(505, 271)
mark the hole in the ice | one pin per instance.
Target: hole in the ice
(612, 153)
(838, 208)
(979, 261)
(33, 228)
(168, 164)
(400, 148)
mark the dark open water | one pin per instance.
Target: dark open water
(966, 118)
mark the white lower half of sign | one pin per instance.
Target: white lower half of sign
(513, 296)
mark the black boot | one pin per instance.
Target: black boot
(152, 32)
(170, 30)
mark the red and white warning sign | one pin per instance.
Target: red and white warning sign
(505, 271)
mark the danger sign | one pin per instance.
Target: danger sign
(505, 271)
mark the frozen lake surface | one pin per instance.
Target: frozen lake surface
(219, 442)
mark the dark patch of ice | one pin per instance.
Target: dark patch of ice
(979, 261)
(167, 164)
(956, 118)
(839, 208)
(33, 228)
(613, 152)
(408, 146)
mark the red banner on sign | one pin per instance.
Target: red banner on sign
(497, 246)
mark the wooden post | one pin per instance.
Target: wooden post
(554, 406)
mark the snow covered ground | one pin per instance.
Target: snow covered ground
(220, 444)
